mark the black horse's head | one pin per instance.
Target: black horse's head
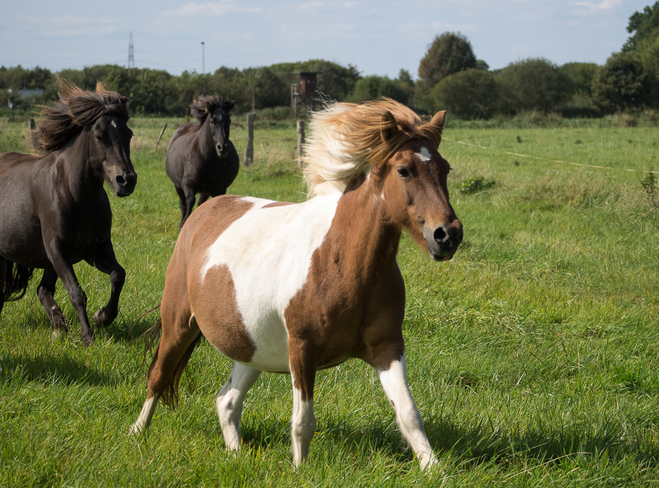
(110, 146)
(220, 123)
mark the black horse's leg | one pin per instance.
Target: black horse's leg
(45, 292)
(103, 259)
(3, 270)
(181, 203)
(64, 269)
(189, 200)
(202, 198)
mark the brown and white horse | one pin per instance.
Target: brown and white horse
(294, 288)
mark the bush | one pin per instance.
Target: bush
(470, 94)
(372, 87)
(622, 83)
(533, 84)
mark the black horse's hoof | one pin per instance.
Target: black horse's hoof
(102, 318)
(58, 325)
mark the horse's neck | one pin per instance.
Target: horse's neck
(76, 158)
(367, 236)
(205, 139)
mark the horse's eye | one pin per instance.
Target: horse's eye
(403, 172)
(99, 137)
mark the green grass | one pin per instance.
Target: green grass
(532, 355)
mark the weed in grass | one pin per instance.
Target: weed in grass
(475, 184)
(649, 184)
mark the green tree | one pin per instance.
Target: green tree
(372, 87)
(580, 76)
(470, 94)
(622, 83)
(533, 84)
(641, 25)
(449, 53)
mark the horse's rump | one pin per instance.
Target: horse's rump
(15, 282)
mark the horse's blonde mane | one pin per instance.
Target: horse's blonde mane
(346, 141)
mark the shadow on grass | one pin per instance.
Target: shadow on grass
(473, 446)
(50, 369)
(479, 445)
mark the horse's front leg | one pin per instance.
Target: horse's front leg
(64, 268)
(46, 292)
(303, 375)
(3, 271)
(103, 259)
(394, 382)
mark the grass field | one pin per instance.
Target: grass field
(532, 355)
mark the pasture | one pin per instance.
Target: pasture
(532, 355)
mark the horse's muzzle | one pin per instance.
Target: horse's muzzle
(125, 184)
(443, 241)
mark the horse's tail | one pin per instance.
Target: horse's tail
(169, 395)
(15, 281)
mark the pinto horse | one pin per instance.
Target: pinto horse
(200, 157)
(54, 211)
(294, 288)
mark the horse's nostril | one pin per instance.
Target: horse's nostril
(440, 235)
(120, 180)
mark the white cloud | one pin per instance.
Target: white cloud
(208, 9)
(597, 6)
(69, 26)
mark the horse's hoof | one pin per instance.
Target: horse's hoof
(102, 318)
(87, 340)
(59, 326)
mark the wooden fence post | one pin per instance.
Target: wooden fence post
(161, 133)
(300, 141)
(31, 125)
(249, 150)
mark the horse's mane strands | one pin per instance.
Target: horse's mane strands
(205, 104)
(346, 141)
(75, 109)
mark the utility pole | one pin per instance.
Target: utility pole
(203, 62)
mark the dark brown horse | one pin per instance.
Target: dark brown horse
(54, 211)
(200, 157)
(294, 288)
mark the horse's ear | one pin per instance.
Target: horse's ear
(438, 119)
(227, 104)
(389, 127)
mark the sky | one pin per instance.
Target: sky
(378, 37)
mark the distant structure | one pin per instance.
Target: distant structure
(304, 92)
(131, 55)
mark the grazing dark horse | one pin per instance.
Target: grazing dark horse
(54, 211)
(294, 288)
(200, 157)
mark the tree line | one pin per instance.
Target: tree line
(449, 77)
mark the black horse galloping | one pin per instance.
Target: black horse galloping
(200, 157)
(54, 211)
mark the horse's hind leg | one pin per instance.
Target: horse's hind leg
(104, 260)
(202, 198)
(230, 402)
(45, 292)
(176, 346)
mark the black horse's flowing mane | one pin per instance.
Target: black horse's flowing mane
(75, 110)
(207, 104)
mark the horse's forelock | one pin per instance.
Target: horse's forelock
(75, 109)
(205, 104)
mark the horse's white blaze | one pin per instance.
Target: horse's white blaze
(113, 124)
(424, 155)
(268, 252)
(394, 382)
